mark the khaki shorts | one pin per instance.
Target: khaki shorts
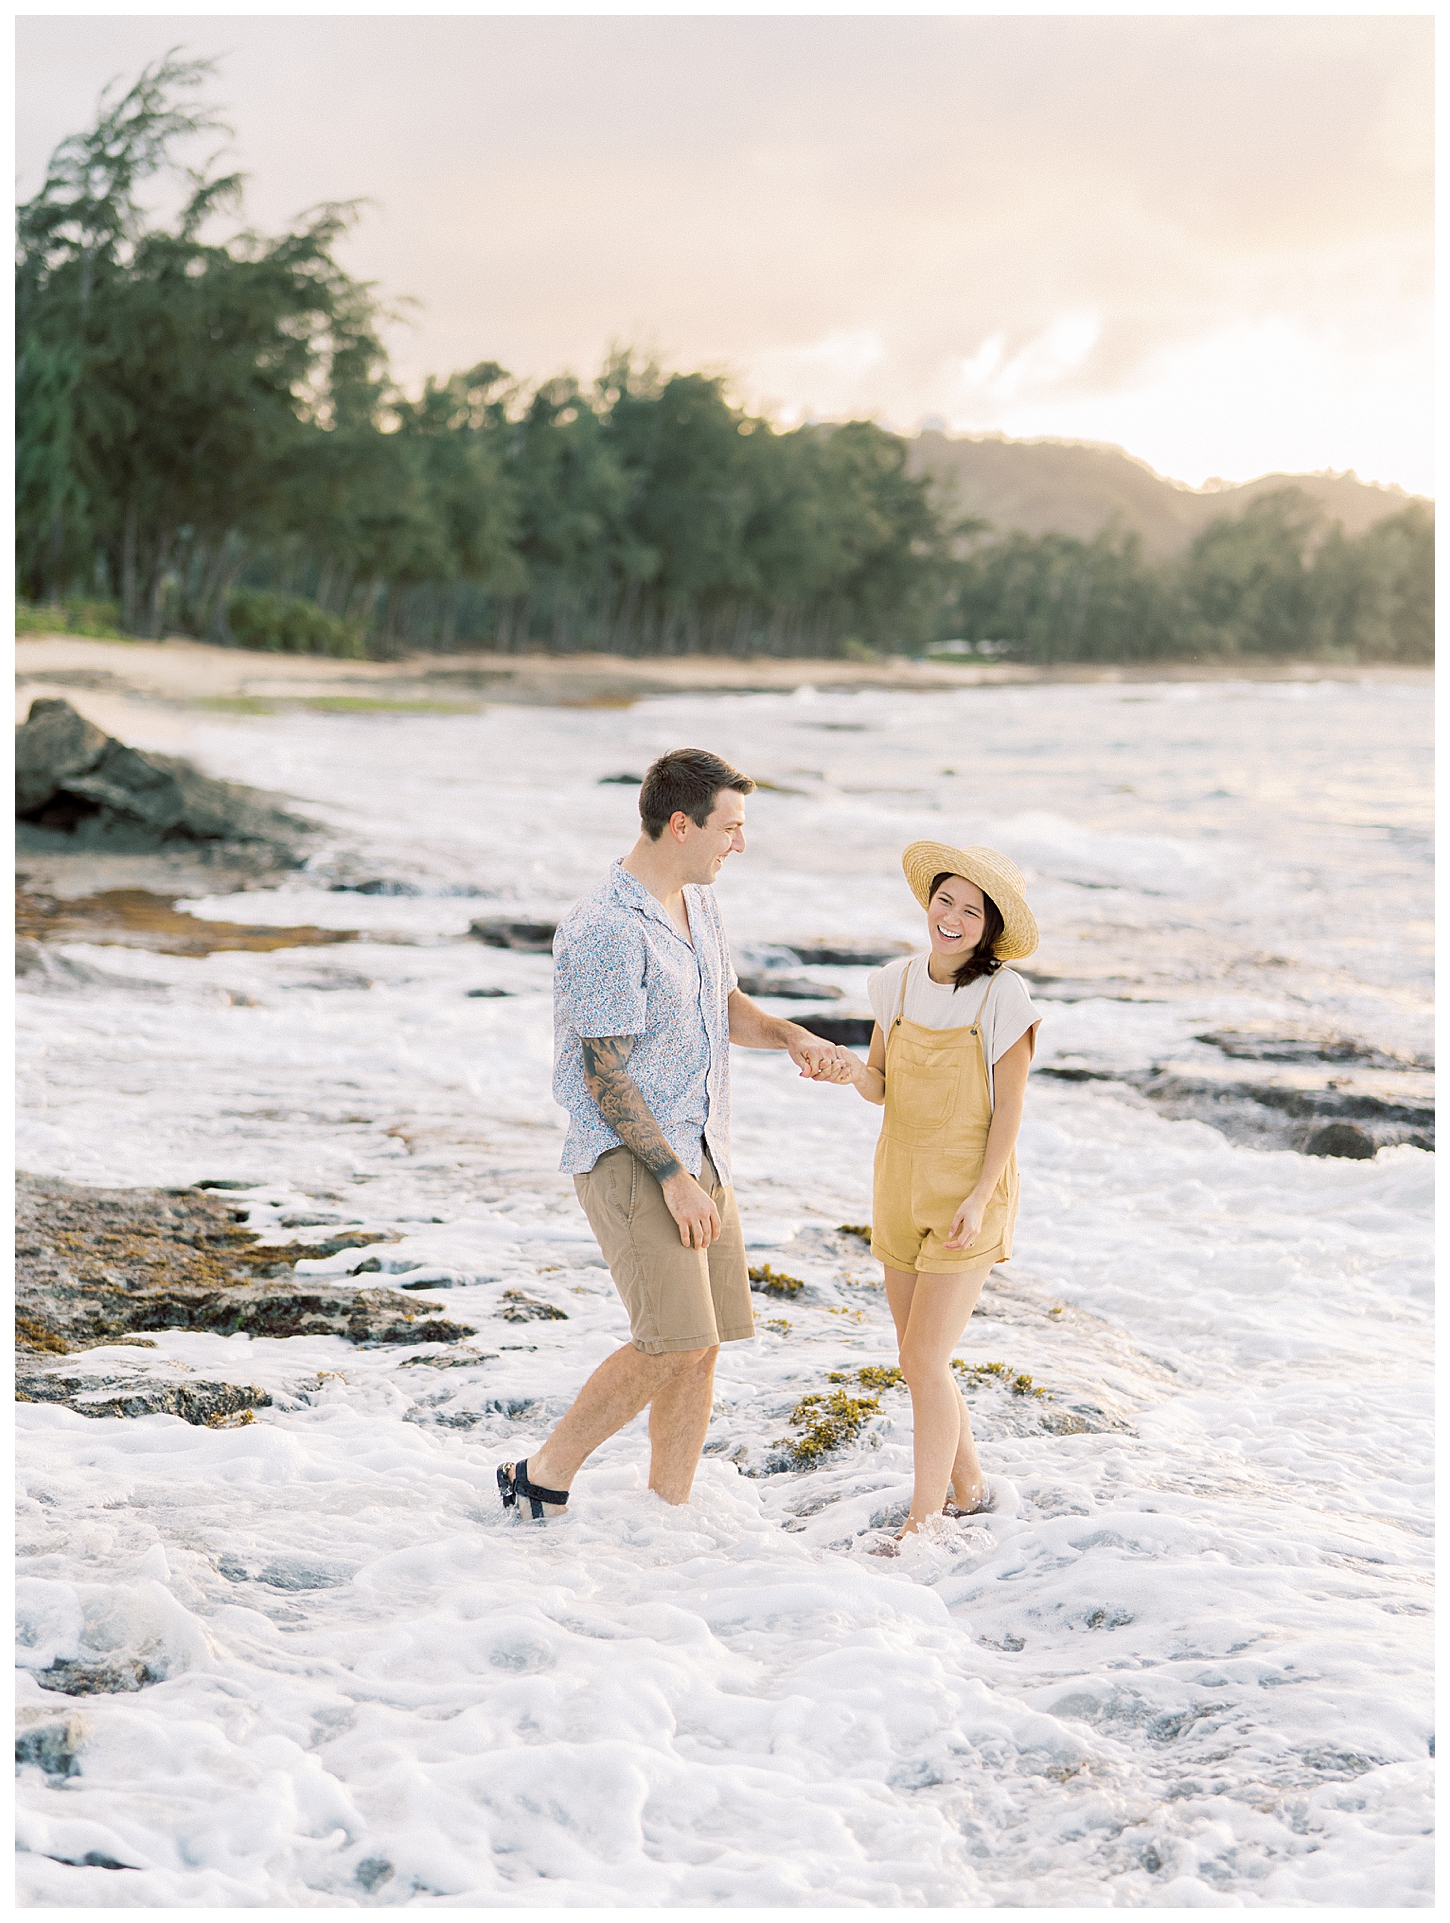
(677, 1298)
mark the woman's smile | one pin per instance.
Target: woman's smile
(955, 916)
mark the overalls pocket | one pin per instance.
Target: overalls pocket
(921, 1087)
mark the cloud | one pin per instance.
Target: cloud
(818, 381)
(1041, 364)
(995, 220)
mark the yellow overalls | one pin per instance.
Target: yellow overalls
(931, 1149)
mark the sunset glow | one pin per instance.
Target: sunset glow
(1206, 240)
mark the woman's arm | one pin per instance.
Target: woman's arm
(1009, 1086)
(868, 1078)
(751, 1027)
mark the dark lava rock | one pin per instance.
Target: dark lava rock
(486, 994)
(1243, 1045)
(469, 1361)
(530, 937)
(134, 1393)
(298, 1573)
(1084, 1419)
(1328, 1105)
(850, 954)
(77, 782)
(792, 988)
(375, 888)
(624, 781)
(95, 1264)
(1329, 1117)
(52, 1744)
(518, 1307)
(1102, 988)
(852, 1031)
(1341, 1138)
(111, 1676)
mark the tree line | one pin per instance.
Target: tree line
(1277, 579)
(209, 441)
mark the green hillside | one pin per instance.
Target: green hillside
(1077, 488)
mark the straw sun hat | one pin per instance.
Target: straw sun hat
(923, 861)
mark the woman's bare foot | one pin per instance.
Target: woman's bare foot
(891, 1545)
(970, 1503)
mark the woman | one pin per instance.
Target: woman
(950, 1050)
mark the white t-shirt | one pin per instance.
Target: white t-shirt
(1009, 1013)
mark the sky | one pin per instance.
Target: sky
(1206, 240)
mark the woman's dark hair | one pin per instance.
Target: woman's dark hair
(686, 780)
(981, 961)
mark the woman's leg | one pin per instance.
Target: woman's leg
(930, 1313)
(969, 1485)
(900, 1289)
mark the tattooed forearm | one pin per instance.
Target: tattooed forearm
(622, 1105)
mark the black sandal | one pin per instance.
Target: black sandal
(513, 1482)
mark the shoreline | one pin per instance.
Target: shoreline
(237, 680)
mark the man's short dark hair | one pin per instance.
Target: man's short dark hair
(686, 780)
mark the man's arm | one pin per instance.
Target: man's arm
(619, 1101)
(751, 1027)
(621, 1104)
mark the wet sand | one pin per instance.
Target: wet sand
(102, 677)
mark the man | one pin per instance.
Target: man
(646, 1004)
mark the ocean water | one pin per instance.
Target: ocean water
(1183, 1662)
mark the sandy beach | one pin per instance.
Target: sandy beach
(194, 672)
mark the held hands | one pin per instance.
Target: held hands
(697, 1216)
(966, 1224)
(847, 1069)
(820, 1061)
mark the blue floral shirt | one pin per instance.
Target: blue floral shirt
(621, 967)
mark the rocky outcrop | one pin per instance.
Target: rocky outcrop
(537, 938)
(849, 1031)
(46, 1741)
(1343, 1139)
(821, 953)
(1347, 1114)
(74, 781)
(519, 1307)
(98, 1267)
(790, 988)
(104, 1391)
(529, 937)
(71, 1676)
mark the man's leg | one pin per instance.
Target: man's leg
(614, 1395)
(679, 1415)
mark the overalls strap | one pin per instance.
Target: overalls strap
(901, 997)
